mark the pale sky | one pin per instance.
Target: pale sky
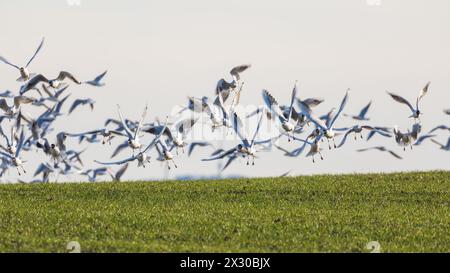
(159, 52)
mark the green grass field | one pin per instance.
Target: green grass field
(407, 212)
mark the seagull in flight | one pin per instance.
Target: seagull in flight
(325, 128)
(25, 74)
(224, 88)
(97, 81)
(416, 113)
(13, 110)
(54, 83)
(247, 146)
(141, 157)
(79, 102)
(357, 129)
(14, 157)
(133, 138)
(286, 123)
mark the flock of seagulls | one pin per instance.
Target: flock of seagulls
(297, 121)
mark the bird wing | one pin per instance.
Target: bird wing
(400, 99)
(76, 103)
(119, 149)
(307, 112)
(273, 105)
(341, 108)
(138, 129)
(64, 74)
(239, 69)
(33, 82)
(22, 100)
(3, 59)
(99, 77)
(4, 105)
(120, 172)
(155, 140)
(257, 130)
(36, 52)
(363, 112)
(293, 97)
(117, 162)
(194, 144)
(424, 91)
(311, 102)
(185, 125)
(20, 143)
(345, 137)
(222, 155)
(124, 125)
(239, 130)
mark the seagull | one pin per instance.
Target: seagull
(133, 139)
(362, 114)
(52, 150)
(141, 157)
(357, 129)
(223, 87)
(79, 102)
(286, 123)
(403, 139)
(95, 173)
(165, 154)
(446, 147)
(246, 147)
(54, 83)
(177, 134)
(18, 100)
(14, 158)
(116, 176)
(97, 81)
(415, 111)
(381, 149)
(24, 72)
(326, 129)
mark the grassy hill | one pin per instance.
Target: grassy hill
(404, 212)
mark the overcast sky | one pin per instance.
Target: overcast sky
(159, 52)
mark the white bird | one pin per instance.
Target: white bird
(54, 83)
(165, 155)
(97, 81)
(24, 72)
(107, 134)
(247, 146)
(224, 88)
(142, 157)
(133, 139)
(286, 123)
(416, 113)
(326, 129)
(13, 110)
(362, 114)
(14, 158)
(176, 134)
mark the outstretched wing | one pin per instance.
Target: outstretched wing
(124, 125)
(400, 99)
(36, 52)
(239, 130)
(363, 112)
(3, 59)
(155, 140)
(341, 108)
(256, 131)
(273, 105)
(64, 74)
(138, 129)
(239, 69)
(222, 155)
(117, 162)
(293, 97)
(307, 112)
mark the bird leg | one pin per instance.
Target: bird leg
(334, 143)
(18, 171)
(173, 161)
(329, 146)
(361, 135)
(313, 159)
(321, 157)
(253, 162)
